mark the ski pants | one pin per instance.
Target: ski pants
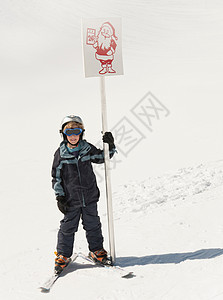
(69, 225)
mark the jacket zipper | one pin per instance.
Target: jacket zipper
(79, 174)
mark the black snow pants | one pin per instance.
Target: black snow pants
(69, 225)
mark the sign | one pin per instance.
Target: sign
(102, 47)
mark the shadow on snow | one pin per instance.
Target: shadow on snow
(171, 258)
(74, 266)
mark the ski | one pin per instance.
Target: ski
(119, 270)
(47, 285)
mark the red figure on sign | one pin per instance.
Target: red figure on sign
(105, 45)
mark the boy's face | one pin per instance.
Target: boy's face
(73, 139)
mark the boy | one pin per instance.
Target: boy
(76, 190)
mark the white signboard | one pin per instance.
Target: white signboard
(102, 47)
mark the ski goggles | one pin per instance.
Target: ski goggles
(73, 131)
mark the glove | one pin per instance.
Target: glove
(62, 203)
(108, 138)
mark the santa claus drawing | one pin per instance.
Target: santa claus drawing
(105, 45)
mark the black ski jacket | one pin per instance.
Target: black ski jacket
(73, 177)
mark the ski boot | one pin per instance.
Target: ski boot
(60, 263)
(100, 257)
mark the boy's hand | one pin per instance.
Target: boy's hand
(61, 203)
(109, 139)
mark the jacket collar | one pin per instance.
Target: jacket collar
(84, 149)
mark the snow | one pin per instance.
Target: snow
(167, 191)
(167, 233)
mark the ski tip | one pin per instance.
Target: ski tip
(44, 290)
(129, 275)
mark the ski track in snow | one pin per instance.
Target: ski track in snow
(169, 188)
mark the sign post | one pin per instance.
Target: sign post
(107, 173)
(103, 57)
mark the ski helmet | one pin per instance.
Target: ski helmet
(71, 118)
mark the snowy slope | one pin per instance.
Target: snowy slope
(171, 48)
(168, 224)
(167, 232)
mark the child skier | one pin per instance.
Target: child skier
(76, 190)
